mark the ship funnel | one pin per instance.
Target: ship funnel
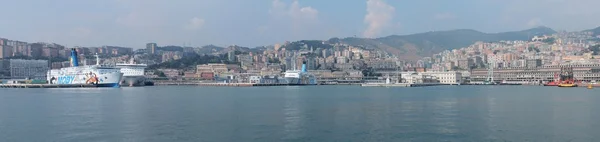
(74, 60)
(303, 66)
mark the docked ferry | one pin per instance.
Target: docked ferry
(133, 74)
(102, 76)
(300, 77)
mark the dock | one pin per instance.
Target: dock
(400, 85)
(226, 84)
(48, 86)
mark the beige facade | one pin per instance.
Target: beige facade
(590, 72)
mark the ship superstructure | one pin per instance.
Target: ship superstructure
(133, 74)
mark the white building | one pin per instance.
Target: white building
(449, 77)
(256, 79)
(417, 78)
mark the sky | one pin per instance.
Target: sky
(133, 23)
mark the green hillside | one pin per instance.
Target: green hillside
(415, 46)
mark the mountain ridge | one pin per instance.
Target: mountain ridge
(415, 46)
(595, 31)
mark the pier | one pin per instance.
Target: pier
(224, 84)
(48, 86)
(401, 84)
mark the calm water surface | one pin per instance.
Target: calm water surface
(304, 114)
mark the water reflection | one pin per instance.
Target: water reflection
(323, 113)
(293, 116)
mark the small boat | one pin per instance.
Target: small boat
(504, 82)
(567, 85)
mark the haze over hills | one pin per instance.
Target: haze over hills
(596, 31)
(415, 46)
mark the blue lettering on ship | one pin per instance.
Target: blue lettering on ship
(66, 79)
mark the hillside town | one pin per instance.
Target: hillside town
(533, 61)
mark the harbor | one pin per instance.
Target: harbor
(228, 84)
(48, 86)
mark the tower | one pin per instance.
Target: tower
(151, 48)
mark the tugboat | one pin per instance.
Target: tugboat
(566, 77)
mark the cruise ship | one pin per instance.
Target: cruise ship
(300, 77)
(102, 76)
(133, 74)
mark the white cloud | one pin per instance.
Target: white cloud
(379, 16)
(291, 21)
(559, 14)
(302, 13)
(194, 24)
(293, 11)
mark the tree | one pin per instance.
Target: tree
(549, 40)
(160, 74)
(595, 49)
(532, 49)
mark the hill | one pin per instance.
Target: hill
(596, 31)
(415, 46)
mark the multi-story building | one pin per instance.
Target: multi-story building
(151, 48)
(5, 51)
(449, 77)
(465, 64)
(32, 69)
(533, 63)
(170, 56)
(35, 50)
(382, 65)
(231, 56)
(171, 73)
(416, 78)
(214, 68)
(49, 52)
(115, 50)
(4, 69)
(589, 72)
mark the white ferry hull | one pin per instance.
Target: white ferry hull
(102, 77)
(104, 80)
(299, 81)
(133, 81)
(95, 74)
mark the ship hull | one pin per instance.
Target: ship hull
(104, 77)
(104, 80)
(567, 85)
(300, 81)
(133, 81)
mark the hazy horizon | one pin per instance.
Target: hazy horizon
(133, 23)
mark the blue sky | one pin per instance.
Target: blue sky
(133, 23)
